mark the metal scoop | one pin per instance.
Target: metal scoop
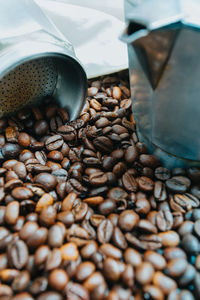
(36, 61)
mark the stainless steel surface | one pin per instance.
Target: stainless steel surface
(36, 60)
(164, 44)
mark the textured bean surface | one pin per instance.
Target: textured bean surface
(86, 213)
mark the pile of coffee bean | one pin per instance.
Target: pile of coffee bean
(87, 213)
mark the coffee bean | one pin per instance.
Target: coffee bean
(54, 259)
(103, 144)
(127, 220)
(165, 283)
(58, 279)
(151, 291)
(23, 296)
(55, 236)
(144, 273)
(84, 270)
(145, 183)
(89, 249)
(54, 142)
(191, 244)
(186, 227)
(44, 201)
(17, 253)
(110, 251)
(107, 206)
(146, 226)
(48, 215)
(76, 291)
(50, 296)
(176, 267)
(160, 192)
(104, 231)
(178, 184)
(47, 180)
(69, 251)
(119, 239)
(21, 193)
(132, 257)
(20, 283)
(131, 154)
(37, 238)
(188, 276)
(129, 182)
(10, 150)
(156, 259)
(169, 238)
(5, 292)
(12, 213)
(149, 160)
(164, 220)
(111, 269)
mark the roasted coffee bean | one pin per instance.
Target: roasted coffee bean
(191, 244)
(50, 296)
(146, 184)
(169, 238)
(54, 259)
(103, 144)
(129, 182)
(144, 273)
(165, 283)
(146, 226)
(47, 180)
(85, 270)
(151, 291)
(188, 276)
(149, 160)
(37, 238)
(39, 285)
(20, 283)
(104, 231)
(146, 242)
(156, 259)
(107, 206)
(111, 269)
(176, 267)
(69, 251)
(160, 192)
(183, 202)
(110, 251)
(12, 213)
(162, 173)
(10, 150)
(178, 184)
(58, 279)
(89, 249)
(48, 216)
(164, 220)
(21, 193)
(67, 132)
(54, 142)
(119, 239)
(17, 253)
(131, 154)
(76, 291)
(55, 236)
(128, 220)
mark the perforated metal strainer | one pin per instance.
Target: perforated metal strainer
(36, 61)
(27, 83)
